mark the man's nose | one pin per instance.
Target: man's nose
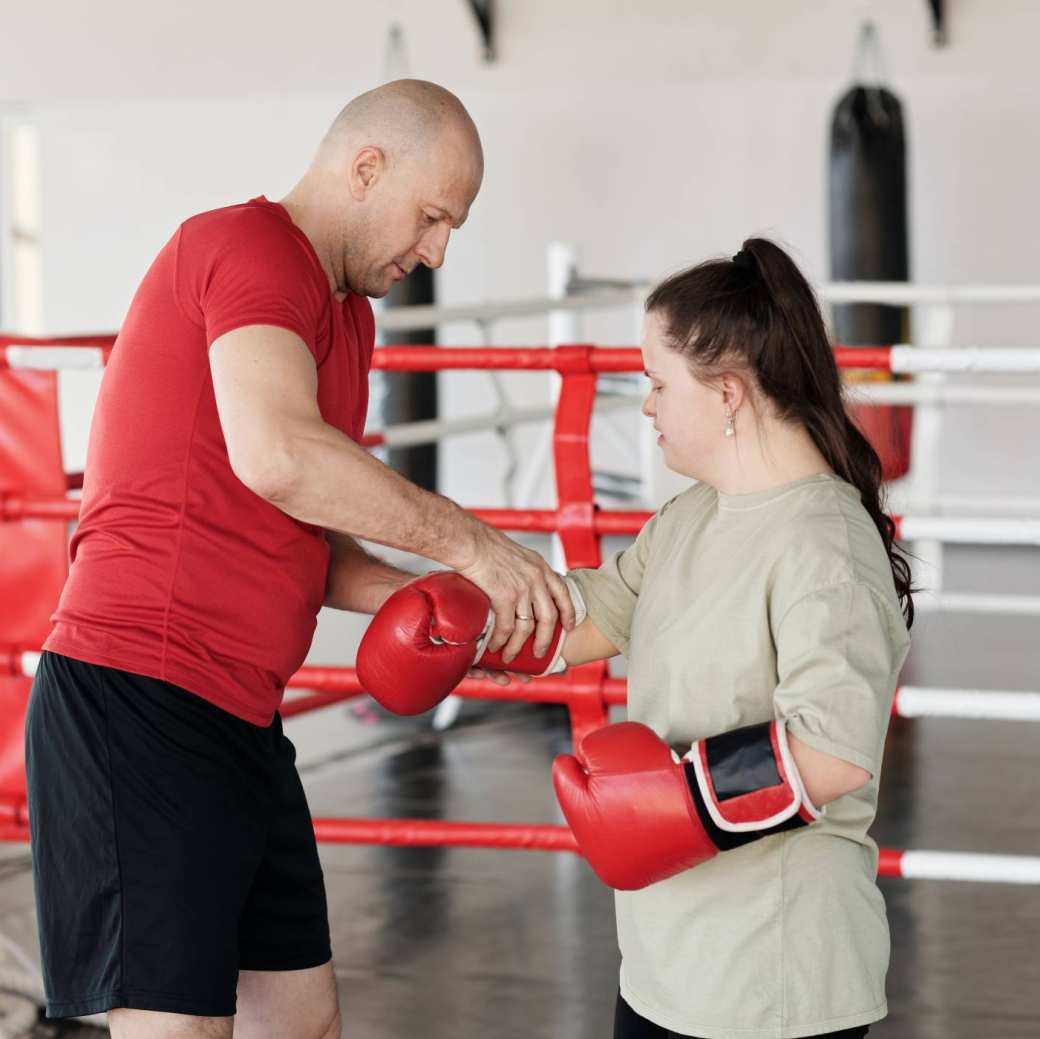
(647, 408)
(433, 245)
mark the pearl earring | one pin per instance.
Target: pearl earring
(729, 430)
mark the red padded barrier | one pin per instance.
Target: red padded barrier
(33, 552)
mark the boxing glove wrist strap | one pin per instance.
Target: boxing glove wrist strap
(557, 664)
(745, 785)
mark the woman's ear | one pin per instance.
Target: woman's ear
(734, 391)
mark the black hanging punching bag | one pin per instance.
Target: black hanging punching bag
(869, 238)
(412, 396)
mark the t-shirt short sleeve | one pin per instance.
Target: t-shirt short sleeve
(611, 592)
(839, 652)
(248, 267)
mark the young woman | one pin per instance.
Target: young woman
(765, 614)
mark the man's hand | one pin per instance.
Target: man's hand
(526, 593)
(498, 677)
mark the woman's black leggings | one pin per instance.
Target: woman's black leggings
(629, 1025)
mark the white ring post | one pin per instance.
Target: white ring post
(926, 444)
(561, 262)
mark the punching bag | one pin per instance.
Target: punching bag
(412, 396)
(869, 237)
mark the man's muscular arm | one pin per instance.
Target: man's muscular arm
(282, 449)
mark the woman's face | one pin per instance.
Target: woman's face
(689, 416)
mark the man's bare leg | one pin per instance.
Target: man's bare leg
(151, 1024)
(288, 1004)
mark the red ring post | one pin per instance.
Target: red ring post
(576, 515)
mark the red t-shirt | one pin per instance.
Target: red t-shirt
(179, 571)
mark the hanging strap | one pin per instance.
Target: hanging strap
(868, 70)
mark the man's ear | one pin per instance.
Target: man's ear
(365, 170)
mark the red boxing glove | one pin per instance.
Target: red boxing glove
(423, 640)
(640, 814)
(429, 633)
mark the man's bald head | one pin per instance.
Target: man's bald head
(405, 118)
(395, 174)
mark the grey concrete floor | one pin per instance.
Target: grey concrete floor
(458, 943)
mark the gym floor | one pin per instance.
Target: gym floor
(447, 943)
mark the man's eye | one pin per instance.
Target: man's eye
(428, 219)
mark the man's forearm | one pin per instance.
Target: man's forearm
(357, 580)
(331, 482)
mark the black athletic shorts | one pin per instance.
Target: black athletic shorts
(172, 845)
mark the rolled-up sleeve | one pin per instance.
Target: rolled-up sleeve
(611, 592)
(839, 653)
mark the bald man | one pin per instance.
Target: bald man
(177, 878)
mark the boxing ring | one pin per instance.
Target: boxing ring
(36, 505)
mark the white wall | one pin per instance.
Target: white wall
(649, 134)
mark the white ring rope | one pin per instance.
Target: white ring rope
(54, 358)
(976, 704)
(402, 319)
(939, 393)
(969, 530)
(907, 294)
(960, 865)
(30, 663)
(906, 359)
(974, 602)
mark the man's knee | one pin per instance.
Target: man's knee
(327, 1029)
(335, 1029)
(288, 1004)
